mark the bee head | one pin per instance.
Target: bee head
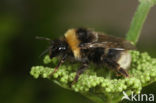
(57, 48)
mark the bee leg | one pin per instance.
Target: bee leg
(114, 65)
(118, 74)
(79, 72)
(60, 62)
(123, 72)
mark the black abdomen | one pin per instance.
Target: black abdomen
(95, 54)
(99, 55)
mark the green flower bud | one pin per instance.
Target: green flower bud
(142, 72)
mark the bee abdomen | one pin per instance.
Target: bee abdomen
(124, 60)
(120, 56)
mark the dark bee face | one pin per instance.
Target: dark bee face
(57, 48)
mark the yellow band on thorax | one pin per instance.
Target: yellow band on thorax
(73, 42)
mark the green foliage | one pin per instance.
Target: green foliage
(142, 73)
(153, 2)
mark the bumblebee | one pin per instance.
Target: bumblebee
(87, 46)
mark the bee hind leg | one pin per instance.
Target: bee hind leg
(118, 74)
(116, 67)
(123, 72)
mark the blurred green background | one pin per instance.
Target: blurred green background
(22, 20)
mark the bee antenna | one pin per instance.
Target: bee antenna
(44, 52)
(42, 38)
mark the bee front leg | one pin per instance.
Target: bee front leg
(81, 70)
(60, 62)
(115, 66)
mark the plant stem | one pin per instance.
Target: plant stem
(138, 20)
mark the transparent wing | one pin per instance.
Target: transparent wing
(115, 41)
(100, 45)
(108, 41)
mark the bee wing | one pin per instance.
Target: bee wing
(107, 41)
(94, 45)
(114, 42)
(100, 45)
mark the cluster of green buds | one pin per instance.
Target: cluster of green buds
(101, 81)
